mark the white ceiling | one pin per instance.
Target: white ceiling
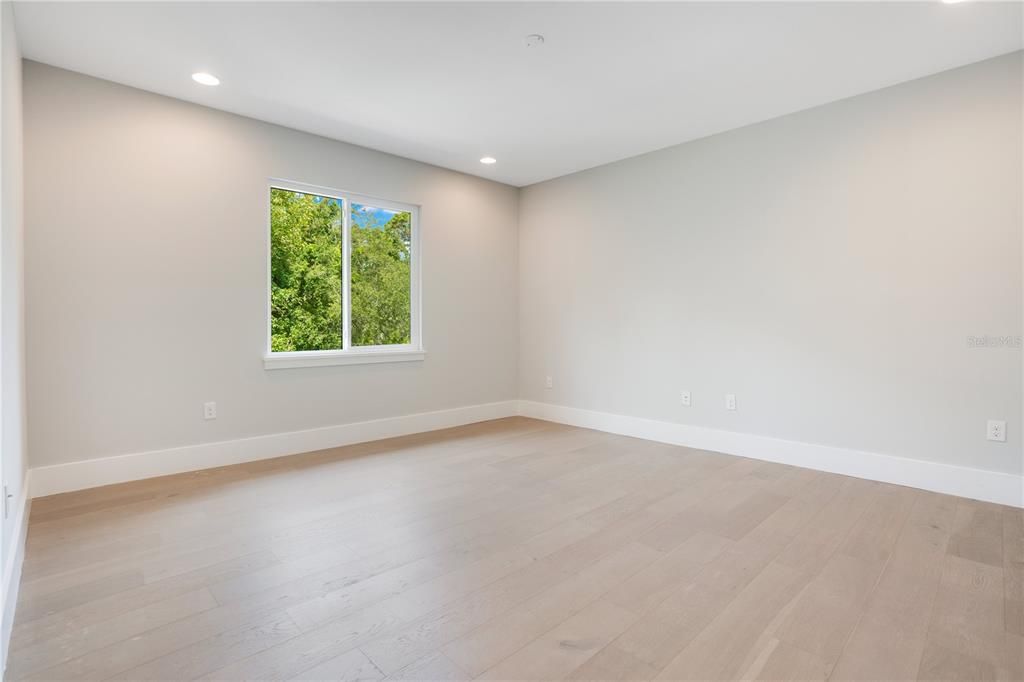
(449, 83)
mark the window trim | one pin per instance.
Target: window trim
(348, 354)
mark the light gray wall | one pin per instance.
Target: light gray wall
(12, 361)
(146, 276)
(826, 267)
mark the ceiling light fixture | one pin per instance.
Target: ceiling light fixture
(488, 160)
(951, 2)
(204, 78)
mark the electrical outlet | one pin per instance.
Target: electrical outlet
(730, 401)
(549, 382)
(209, 410)
(684, 396)
(996, 430)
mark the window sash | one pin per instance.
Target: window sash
(404, 351)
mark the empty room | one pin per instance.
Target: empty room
(512, 340)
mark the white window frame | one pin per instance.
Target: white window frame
(349, 354)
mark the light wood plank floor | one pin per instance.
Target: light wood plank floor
(518, 549)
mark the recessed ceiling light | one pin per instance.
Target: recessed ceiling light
(951, 2)
(488, 160)
(204, 78)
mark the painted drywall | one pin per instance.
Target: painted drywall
(146, 259)
(12, 362)
(826, 267)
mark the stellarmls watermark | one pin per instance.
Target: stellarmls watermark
(990, 341)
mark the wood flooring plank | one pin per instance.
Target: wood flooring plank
(435, 667)
(890, 636)
(482, 602)
(81, 641)
(978, 533)
(648, 588)
(784, 661)
(207, 626)
(726, 647)
(967, 622)
(826, 612)
(214, 652)
(485, 646)
(664, 631)
(78, 619)
(309, 650)
(1013, 569)
(819, 540)
(556, 653)
(518, 549)
(612, 663)
(352, 665)
(337, 600)
(393, 613)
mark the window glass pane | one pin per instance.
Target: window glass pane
(305, 271)
(381, 276)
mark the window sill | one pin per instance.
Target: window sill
(324, 358)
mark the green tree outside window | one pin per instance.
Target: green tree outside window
(307, 271)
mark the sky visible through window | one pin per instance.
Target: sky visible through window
(369, 216)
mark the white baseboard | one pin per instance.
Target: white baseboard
(90, 473)
(14, 555)
(978, 484)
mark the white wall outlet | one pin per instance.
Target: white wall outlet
(730, 401)
(684, 396)
(549, 382)
(996, 430)
(209, 410)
